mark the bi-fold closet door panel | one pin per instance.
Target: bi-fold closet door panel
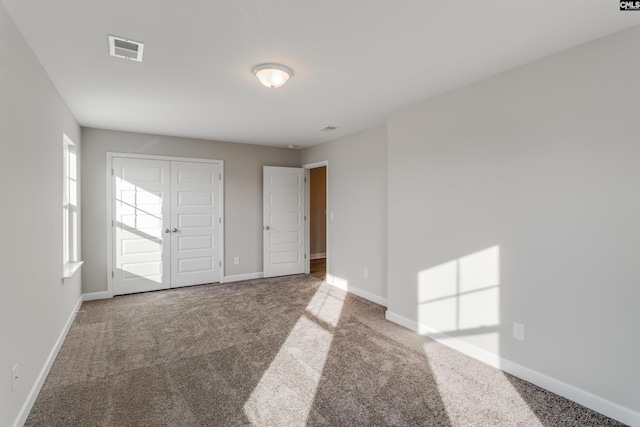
(166, 224)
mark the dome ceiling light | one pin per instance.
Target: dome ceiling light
(272, 75)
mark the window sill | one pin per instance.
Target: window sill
(70, 268)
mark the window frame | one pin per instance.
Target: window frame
(70, 208)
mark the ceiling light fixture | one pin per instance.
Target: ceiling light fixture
(272, 75)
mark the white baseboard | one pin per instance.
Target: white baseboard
(240, 277)
(356, 291)
(318, 256)
(584, 398)
(95, 295)
(37, 386)
(461, 346)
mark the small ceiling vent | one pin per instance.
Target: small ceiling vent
(126, 49)
(328, 128)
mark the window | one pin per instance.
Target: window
(70, 211)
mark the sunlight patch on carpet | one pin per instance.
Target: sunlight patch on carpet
(488, 389)
(286, 391)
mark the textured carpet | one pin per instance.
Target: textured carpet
(287, 351)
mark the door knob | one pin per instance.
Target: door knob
(267, 228)
(166, 230)
(175, 230)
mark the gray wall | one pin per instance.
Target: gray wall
(357, 236)
(541, 161)
(243, 193)
(318, 209)
(35, 304)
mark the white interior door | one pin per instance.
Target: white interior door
(195, 223)
(167, 228)
(283, 217)
(141, 225)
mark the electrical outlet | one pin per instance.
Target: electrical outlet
(518, 331)
(365, 273)
(14, 377)
(236, 260)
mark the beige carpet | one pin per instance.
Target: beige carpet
(275, 352)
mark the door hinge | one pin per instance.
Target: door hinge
(220, 263)
(112, 274)
(305, 255)
(305, 180)
(113, 223)
(112, 172)
(305, 217)
(220, 220)
(219, 177)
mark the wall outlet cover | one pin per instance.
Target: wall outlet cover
(518, 331)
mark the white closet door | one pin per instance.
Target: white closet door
(283, 211)
(194, 223)
(141, 225)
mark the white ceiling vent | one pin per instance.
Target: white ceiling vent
(126, 49)
(328, 128)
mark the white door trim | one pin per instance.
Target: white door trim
(110, 218)
(307, 212)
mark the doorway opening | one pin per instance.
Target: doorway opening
(318, 222)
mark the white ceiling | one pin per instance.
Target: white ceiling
(354, 61)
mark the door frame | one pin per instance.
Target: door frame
(110, 206)
(307, 212)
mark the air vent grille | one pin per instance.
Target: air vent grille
(126, 49)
